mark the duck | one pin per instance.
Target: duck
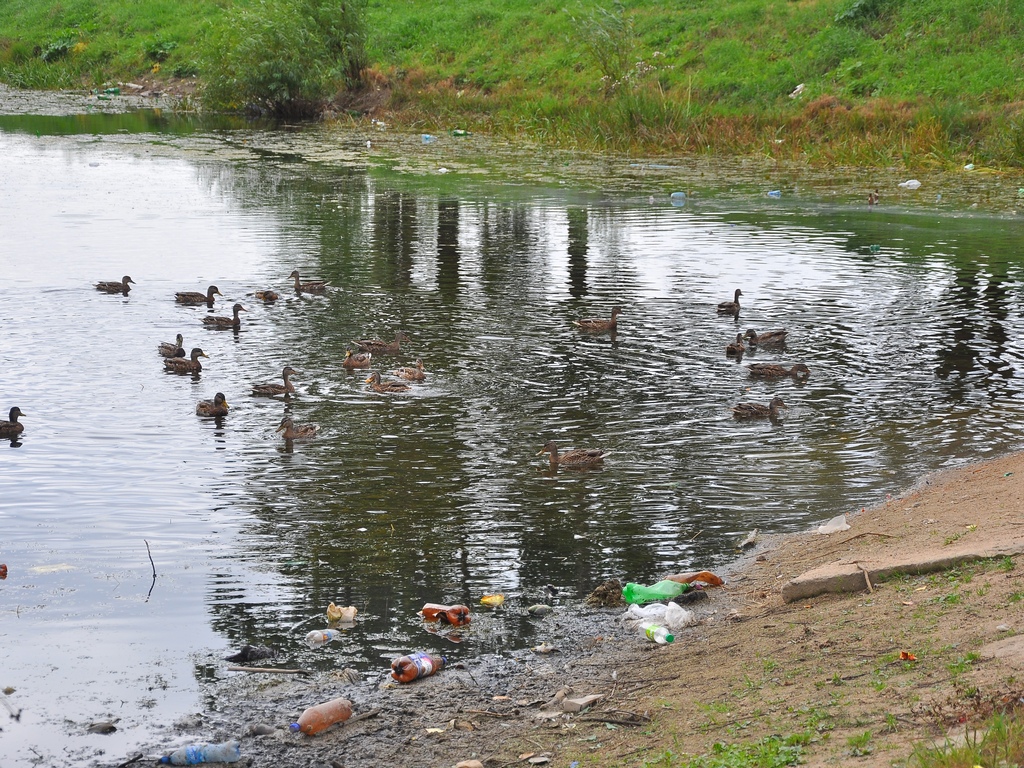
(766, 339)
(195, 297)
(225, 323)
(273, 390)
(12, 426)
(268, 296)
(360, 360)
(736, 348)
(414, 373)
(580, 457)
(188, 364)
(114, 286)
(758, 411)
(378, 347)
(172, 348)
(385, 386)
(731, 307)
(873, 198)
(312, 286)
(292, 431)
(599, 325)
(216, 407)
(773, 371)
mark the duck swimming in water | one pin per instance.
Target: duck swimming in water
(172, 348)
(225, 323)
(12, 426)
(599, 325)
(274, 390)
(188, 364)
(292, 431)
(216, 407)
(195, 297)
(578, 458)
(385, 386)
(115, 286)
(758, 411)
(731, 307)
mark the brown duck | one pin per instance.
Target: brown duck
(773, 371)
(385, 386)
(216, 407)
(599, 325)
(268, 296)
(412, 373)
(195, 297)
(219, 323)
(731, 307)
(274, 390)
(292, 431)
(766, 339)
(172, 348)
(578, 458)
(378, 347)
(352, 362)
(310, 286)
(188, 364)
(114, 286)
(12, 426)
(736, 348)
(758, 411)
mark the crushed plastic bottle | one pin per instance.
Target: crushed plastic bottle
(678, 198)
(427, 138)
(323, 716)
(662, 590)
(416, 665)
(226, 752)
(456, 615)
(775, 194)
(321, 637)
(459, 132)
(656, 634)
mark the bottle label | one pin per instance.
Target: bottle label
(651, 631)
(423, 663)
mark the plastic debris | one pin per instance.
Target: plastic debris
(492, 601)
(835, 525)
(797, 91)
(910, 184)
(345, 613)
(969, 167)
(426, 138)
(775, 194)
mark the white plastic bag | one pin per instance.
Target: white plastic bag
(835, 525)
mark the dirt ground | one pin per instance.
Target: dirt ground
(828, 667)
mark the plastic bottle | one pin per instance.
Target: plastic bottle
(416, 665)
(459, 132)
(226, 752)
(456, 615)
(321, 637)
(658, 634)
(663, 590)
(426, 138)
(323, 716)
(775, 193)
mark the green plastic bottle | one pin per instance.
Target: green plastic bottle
(663, 590)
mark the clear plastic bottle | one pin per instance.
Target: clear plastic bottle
(323, 716)
(456, 615)
(321, 637)
(658, 634)
(416, 665)
(226, 752)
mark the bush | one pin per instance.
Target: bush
(284, 57)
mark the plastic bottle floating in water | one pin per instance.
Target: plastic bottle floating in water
(456, 615)
(321, 637)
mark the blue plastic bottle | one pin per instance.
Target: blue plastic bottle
(193, 754)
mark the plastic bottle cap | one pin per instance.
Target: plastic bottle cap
(294, 727)
(670, 638)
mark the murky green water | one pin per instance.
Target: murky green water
(909, 316)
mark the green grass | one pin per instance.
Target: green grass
(999, 743)
(931, 82)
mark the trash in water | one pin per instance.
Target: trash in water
(492, 601)
(539, 610)
(874, 248)
(835, 525)
(749, 541)
(321, 637)
(456, 615)
(775, 193)
(678, 198)
(337, 613)
(251, 653)
(910, 184)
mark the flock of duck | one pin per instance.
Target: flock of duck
(176, 361)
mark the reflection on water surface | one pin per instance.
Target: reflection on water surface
(910, 323)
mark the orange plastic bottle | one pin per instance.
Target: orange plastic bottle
(416, 665)
(457, 615)
(323, 716)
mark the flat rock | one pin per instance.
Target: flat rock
(1009, 649)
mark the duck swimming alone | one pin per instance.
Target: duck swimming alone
(360, 360)
(188, 364)
(773, 371)
(736, 348)
(12, 426)
(408, 373)
(114, 286)
(378, 347)
(599, 325)
(292, 431)
(216, 407)
(172, 348)
(578, 458)
(310, 286)
(274, 390)
(218, 323)
(195, 297)
(731, 307)
(766, 339)
(385, 386)
(758, 411)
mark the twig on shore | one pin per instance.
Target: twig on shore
(867, 577)
(269, 669)
(130, 760)
(486, 712)
(363, 716)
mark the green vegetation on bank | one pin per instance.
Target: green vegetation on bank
(872, 82)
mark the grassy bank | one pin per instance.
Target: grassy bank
(867, 82)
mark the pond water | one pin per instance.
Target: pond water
(908, 314)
